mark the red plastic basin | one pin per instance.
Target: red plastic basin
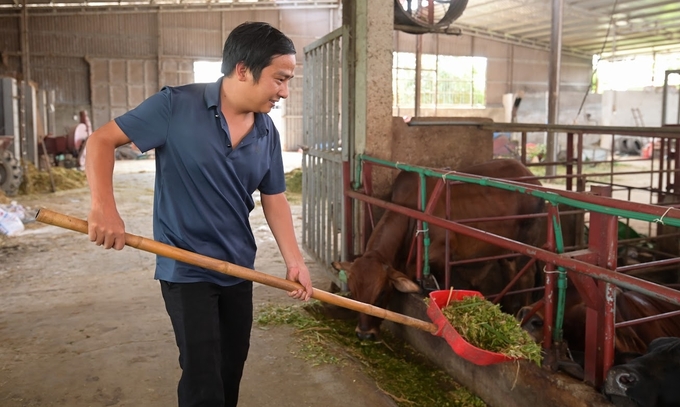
(462, 348)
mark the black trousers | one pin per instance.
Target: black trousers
(212, 329)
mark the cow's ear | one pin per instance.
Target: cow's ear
(342, 265)
(622, 358)
(661, 342)
(402, 283)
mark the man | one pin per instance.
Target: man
(214, 146)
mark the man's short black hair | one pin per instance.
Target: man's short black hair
(255, 44)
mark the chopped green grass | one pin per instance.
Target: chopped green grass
(484, 325)
(398, 370)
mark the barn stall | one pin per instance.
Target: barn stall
(575, 155)
(360, 123)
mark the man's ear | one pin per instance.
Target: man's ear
(241, 71)
(401, 281)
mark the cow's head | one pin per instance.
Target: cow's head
(531, 317)
(372, 281)
(650, 380)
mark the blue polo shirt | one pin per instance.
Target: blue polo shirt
(204, 186)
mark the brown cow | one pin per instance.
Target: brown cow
(630, 305)
(373, 276)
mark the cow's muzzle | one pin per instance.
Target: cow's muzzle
(370, 335)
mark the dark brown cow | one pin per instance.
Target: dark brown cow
(373, 276)
(650, 380)
(630, 305)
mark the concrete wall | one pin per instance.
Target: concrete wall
(440, 146)
(617, 107)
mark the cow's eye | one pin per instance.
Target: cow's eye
(381, 297)
(537, 322)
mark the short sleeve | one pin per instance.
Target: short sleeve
(274, 181)
(147, 124)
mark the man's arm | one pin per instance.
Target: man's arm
(105, 226)
(277, 212)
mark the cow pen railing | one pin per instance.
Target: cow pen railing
(589, 159)
(594, 268)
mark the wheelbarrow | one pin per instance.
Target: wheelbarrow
(441, 327)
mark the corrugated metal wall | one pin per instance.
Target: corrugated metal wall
(107, 63)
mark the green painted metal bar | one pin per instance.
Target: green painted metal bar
(561, 280)
(552, 197)
(425, 230)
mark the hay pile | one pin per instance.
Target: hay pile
(3, 198)
(294, 181)
(485, 326)
(64, 179)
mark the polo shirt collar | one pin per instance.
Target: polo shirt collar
(211, 95)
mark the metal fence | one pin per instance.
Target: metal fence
(325, 147)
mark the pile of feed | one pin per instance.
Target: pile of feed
(294, 181)
(483, 324)
(37, 182)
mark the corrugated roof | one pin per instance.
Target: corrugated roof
(624, 27)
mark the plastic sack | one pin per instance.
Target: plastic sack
(10, 224)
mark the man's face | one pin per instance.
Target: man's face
(273, 83)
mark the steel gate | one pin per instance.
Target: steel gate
(326, 145)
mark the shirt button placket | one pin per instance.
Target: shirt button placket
(217, 116)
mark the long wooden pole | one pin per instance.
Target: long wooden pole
(162, 249)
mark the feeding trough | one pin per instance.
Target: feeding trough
(441, 299)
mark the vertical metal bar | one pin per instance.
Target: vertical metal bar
(662, 163)
(549, 295)
(419, 74)
(580, 185)
(323, 112)
(447, 243)
(23, 89)
(347, 149)
(609, 329)
(554, 80)
(676, 159)
(327, 217)
(322, 176)
(368, 215)
(306, 173)
(600, 320)
(664, 101)
(348, 211)
(570, 159)
(420, 274)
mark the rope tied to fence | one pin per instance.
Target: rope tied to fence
(559, 270)
(660, 220)
(447, 174)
